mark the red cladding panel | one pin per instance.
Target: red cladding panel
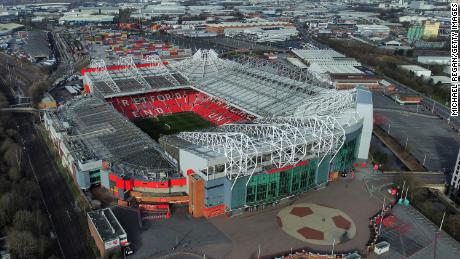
(119, 183)
(113, 177)
(87, 88)
(301, 163)
(142, 184)
(178, 182)
(129, 184)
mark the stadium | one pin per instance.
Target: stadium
(222, 135)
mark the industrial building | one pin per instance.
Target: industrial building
(417, 70)
(427, 30)
(106, 231)
(219, 28)
(434, 60)
(9, 28)
(263, 34)
(373, 30)
(274, 136)
(85, 18)
(324, 63)
(349, 81)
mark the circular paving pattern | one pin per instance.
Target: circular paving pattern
(316, 224)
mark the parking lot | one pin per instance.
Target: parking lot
(430, 139)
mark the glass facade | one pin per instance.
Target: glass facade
(95, 177)
(345, 158)
(267, 188)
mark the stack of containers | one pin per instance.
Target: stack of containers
(120, 44)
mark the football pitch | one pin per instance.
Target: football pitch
(171, 124)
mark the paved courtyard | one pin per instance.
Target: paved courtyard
(316, 224)
(241, 236)
(252, 230)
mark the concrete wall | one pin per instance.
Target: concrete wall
(83, 180)
(364, 107)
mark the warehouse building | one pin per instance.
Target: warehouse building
(434, 60)
(106, 231)
(84, 18)
(417, 70)
(373, 30)
(219, 28)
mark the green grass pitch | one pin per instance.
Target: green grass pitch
(171, 124)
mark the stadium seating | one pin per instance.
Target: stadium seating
(174, 101)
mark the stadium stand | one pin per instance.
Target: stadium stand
(154, 104)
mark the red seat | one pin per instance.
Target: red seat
(149, 105)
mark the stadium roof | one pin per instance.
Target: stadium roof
(128, 78)
(111, 137)
(252, 87)
(298, 118)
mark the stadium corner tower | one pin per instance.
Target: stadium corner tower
(273, 136)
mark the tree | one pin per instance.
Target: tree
(5, 184)
(14, 173)
(29, 188)
(24, 221)
(3, 100)
(8, 207)
(11, 153)
(41, 224)
(37, 90)
(22, 244)
(43, 246)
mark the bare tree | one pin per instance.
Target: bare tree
(22, 244)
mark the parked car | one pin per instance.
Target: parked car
(127, 250)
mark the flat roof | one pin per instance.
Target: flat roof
(106, 224)
(311, 55)
(335, 69)
(414, 68)
(248, 24)
(10, 26)
(363, 96)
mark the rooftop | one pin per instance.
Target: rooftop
(106, 224)
(311, 55)
(111, 137)
(127, 78)
(335, 69)
(414, 68)
(10, 26)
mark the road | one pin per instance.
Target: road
(435, 107)
(65, 216)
